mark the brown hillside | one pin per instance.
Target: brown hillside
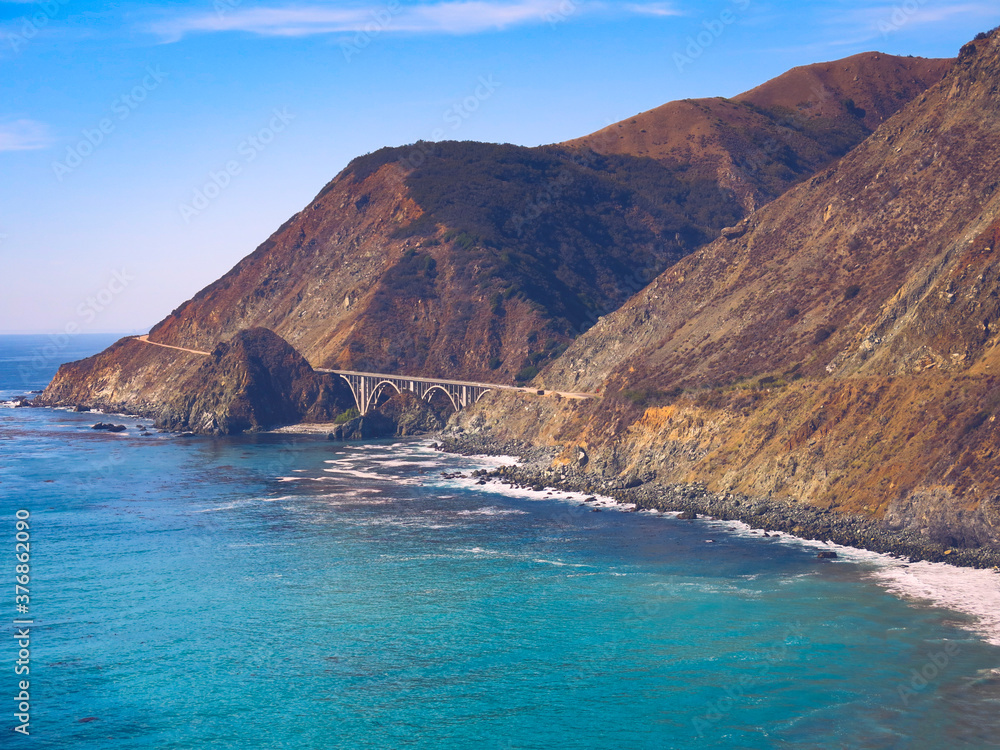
(840, 347)
(477, 261)
(761, 142)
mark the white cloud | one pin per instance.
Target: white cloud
(24, 135)
(661, 10)
(442, 17)
(882, 20)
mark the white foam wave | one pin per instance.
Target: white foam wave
(970, 591)
(492, 511)
(499, 488)
(358, 474)
(561, 564)
(966, 590)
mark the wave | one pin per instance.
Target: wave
(492, 511)
(969, 591)
(972, 592)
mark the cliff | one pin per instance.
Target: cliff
(254, 381)
(839, 347)
(484, 262)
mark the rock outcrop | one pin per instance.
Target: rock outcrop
(254, 381)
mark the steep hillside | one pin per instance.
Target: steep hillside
(840, 347)
(761, 142)
(468, 260)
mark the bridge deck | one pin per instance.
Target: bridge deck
(469, 383)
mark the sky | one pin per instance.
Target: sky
(146, 147)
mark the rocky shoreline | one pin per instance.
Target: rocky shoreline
(797, 519)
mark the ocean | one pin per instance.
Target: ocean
(285, 591)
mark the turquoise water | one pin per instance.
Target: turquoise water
(287, 592)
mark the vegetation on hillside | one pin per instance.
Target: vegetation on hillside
(572, 232)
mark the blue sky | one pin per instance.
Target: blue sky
(146, 148)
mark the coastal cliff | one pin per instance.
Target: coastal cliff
(834, 348)
(838, 348)
(484, 262)
(254, 381)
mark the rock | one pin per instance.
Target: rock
(79, 408)
(733, 233)
(116, 428)
(254, 381)
(826, 554)
(687, 515)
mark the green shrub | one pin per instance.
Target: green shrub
(823, 333)
(526, 374)
(347, 416)
(975, 422)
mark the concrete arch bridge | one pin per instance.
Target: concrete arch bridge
(368, 386)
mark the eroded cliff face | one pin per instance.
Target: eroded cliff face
(840, 347)
(254, 381)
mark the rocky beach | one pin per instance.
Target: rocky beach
(535, 471)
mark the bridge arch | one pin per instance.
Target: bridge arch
(376, 392)
(429, 392)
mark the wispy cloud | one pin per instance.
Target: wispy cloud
(24, 135)
(653, 9)
(880, 20)
(449, 17)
